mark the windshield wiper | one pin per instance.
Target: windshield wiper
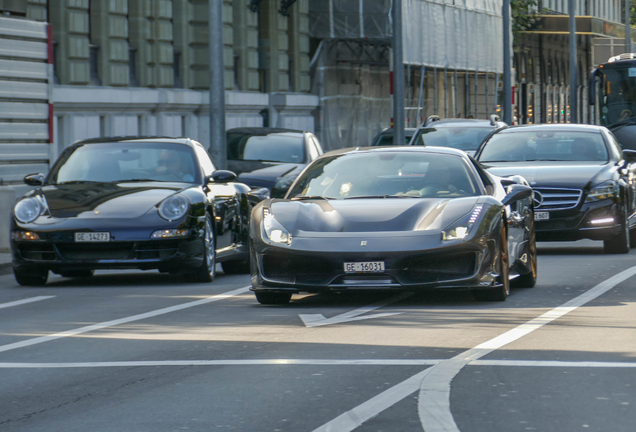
(310, 197)
(76, 182)
(382, 196)
(137, 180)
(626, 122)
(543, 160)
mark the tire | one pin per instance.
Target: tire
(31, 277)
(272, 298)
(207, 271)
(502, 291)
(632, 238)
(618, 244)
(77, 273)
(236, 267)
(529, 280)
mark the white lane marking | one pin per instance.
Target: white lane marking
(434, 401)
(434, 398)
(355, 362)
(552, 363)
(316, 320)
(352, 419)
(25, 301)
(42, 339)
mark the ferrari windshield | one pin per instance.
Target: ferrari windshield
(545, 146)
(460, 137)
(386, 175)
(283, 147)
(126, 161)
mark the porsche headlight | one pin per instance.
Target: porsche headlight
(173, 208)
(460, 229)
(28, 210)
(607, 190)
(274, 230)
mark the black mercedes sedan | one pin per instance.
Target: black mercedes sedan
(583, 181)
(270, 158)
(120, 203)
(409, 218)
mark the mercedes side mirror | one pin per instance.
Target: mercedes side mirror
(222, 176)
(517, 192)
(34, 179)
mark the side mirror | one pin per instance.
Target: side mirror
(591, 99)
(517, 192)
(34, 179)
(630, 156)
(222, 176)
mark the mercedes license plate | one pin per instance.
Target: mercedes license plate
(92, 236)
(364, 267)
(540, 216)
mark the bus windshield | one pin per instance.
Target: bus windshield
(617, 98)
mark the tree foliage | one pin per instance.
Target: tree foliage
(524, 16)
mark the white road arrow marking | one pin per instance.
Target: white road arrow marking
(316, 320)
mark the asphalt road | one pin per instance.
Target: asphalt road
(141, 351)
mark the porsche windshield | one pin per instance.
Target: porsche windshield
(545, 146)
(459, 137)
(276, 147)
(386, 174)
(127, 161)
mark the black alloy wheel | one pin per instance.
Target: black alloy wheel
(272, 298)
(207, 271)
(30, 277)
(502, 290)
(618, 244)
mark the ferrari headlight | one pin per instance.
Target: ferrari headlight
(173, 208)
(274, 230)
(607, 190)
(460, 229)
(28, 210)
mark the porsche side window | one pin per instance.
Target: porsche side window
(204, 160)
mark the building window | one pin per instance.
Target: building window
(132, 67)
(93, 65)
(177, 69)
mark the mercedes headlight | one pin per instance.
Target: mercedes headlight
(173, 208)
(28, 210)
(460, 229)
(274, 230)
(607, 190)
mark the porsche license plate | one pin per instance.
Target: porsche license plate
(539, 216)
(92, 237)
(364, 267)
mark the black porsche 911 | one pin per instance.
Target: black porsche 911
(394, 218)
(119, 203)
(583, 181)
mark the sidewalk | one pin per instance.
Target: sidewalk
(5, 263)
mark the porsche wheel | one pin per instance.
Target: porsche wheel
(77, 273)
(207, 271)
(502, 290)
(272, 298)
(618, 244)
(30, 277)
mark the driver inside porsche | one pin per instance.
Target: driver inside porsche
(169, 167)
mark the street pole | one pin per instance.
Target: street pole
(507, 79)
(398, 75)
(218, 146)
(573, 78)
(628, 28)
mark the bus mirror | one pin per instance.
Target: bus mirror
(592, 87)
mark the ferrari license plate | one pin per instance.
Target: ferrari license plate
(92, 236)
(364, 267)
(540, 216)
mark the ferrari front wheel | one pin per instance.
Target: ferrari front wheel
(272, 298)
(502, 290)
(207, 271)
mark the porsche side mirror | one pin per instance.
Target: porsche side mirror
(257, 195)
(34, 179)
(630, 156)
(222, 176)
(517, 192)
